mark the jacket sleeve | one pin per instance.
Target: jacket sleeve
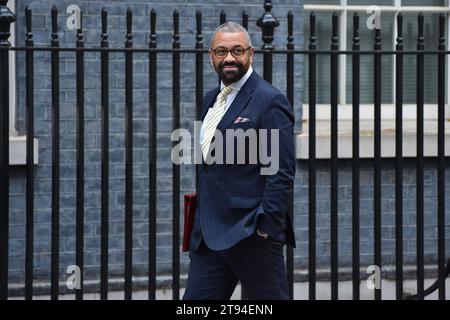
(279, 179)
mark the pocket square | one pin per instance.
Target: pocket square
(241, 119)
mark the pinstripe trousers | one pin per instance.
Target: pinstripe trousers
(256, 262)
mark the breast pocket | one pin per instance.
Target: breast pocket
(242, 125)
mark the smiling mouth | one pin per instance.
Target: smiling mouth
(230, 68)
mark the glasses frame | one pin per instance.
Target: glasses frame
(229, 51)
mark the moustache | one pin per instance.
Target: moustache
(230, 64)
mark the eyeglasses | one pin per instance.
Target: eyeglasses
(236, 52)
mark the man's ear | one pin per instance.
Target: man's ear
(210, 57)
(251, 51)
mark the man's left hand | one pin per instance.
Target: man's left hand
(262, 234)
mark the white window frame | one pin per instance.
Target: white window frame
(12, 74)
(387, 110)
(17, 144)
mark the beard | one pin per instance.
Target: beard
(231, 76)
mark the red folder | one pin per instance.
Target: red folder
(190, 201)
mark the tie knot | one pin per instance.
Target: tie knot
(225, 91)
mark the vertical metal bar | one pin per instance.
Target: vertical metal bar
(55, 158)
(268, 64)
(312, 159)
(198, 66)
(6, 18)
(222, 20)
(290, 58)
(419, 159)
(245, 19)
(222, 17)
(128, 158)
(399, 161)
(441, 157)
(29, 99)
(80, 161)
(290, 95)
(175, 167)
(343, 26)
(334, 158)
(4, 166)
(377, 156)
(355, 159)
(152, 163)
(268, 22)
(104, 60)
(198, 80)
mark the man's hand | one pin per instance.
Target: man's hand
(262, 234)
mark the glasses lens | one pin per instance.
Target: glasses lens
(238, 52)
(221, 52)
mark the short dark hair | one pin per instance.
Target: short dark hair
(232, 27)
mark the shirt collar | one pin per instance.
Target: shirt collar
(238, 84)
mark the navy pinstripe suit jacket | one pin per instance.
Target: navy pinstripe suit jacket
(233, 200)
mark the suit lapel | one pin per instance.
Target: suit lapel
(239, 103)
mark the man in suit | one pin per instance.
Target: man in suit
(241, 222)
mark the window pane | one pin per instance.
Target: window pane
(423, 2)
(431, 33)
(323, 35)
(323, 27)
(371, 2)
(367, 37)
(322, 1)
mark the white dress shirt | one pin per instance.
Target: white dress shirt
(236, 86)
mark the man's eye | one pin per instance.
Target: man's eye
(221, 52)
(238, 51)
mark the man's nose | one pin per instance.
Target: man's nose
(229, 57)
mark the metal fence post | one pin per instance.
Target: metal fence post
(290, 95)
(312, 165)
(355, 161)
(29, 102)
(176, 103)
(129, 158)
(152, 67)
(268, 23)
(442, 269)
(80, 159)
(334, 195)
(399, 161)
(6, 18)
(104, 255)
(54, 290)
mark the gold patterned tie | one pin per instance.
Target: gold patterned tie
(217, 112)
